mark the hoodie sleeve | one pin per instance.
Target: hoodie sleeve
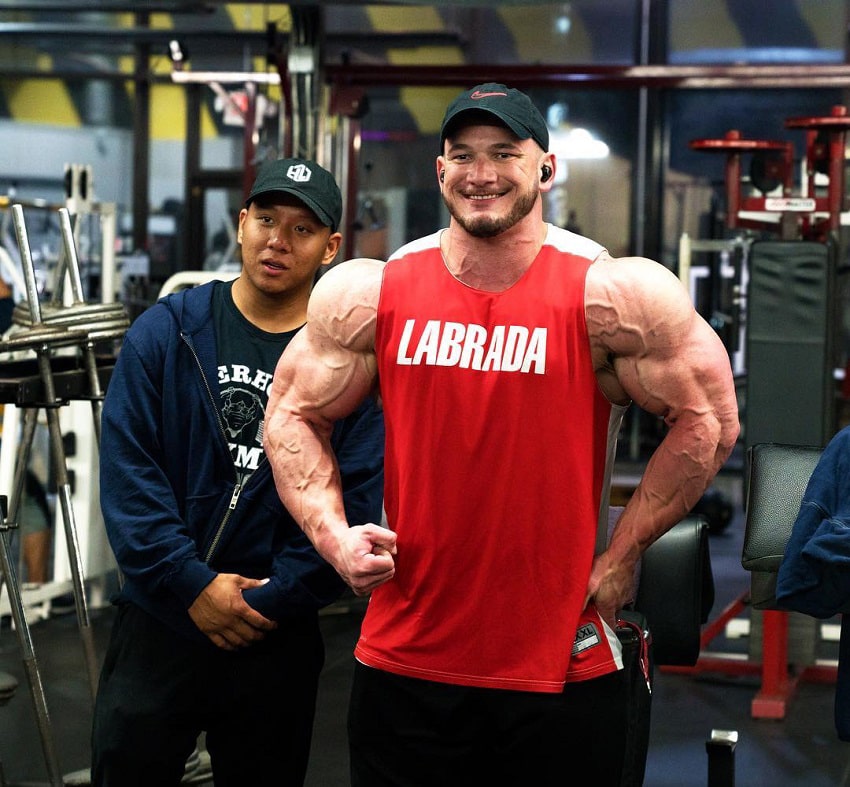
(148, 537)
(301, 580)
(814, 576)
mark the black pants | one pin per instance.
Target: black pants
(158, 692)
(405, 732)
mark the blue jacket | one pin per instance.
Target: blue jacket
(814, 576)
(172, 509)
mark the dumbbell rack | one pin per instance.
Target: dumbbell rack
(48, 382)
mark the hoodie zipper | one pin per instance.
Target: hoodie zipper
(234, 499)
(237, 490)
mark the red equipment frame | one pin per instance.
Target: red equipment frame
(801, 216)
(778, 682)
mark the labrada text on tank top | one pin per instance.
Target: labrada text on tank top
(501, 348)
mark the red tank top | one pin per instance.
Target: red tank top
(495, 457)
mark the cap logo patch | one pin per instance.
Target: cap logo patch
(478, 94)
(300, 173)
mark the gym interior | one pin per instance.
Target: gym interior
(708, 135)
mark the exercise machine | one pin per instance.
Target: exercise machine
(792, 257)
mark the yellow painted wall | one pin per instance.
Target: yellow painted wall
(426, 105)
(537, 40)
(40, 101)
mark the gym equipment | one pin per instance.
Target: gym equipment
(789, 343)
(790, 315)
(676, 591)
(42, 715)
(42, 339)
(28, 656)
(49, 383)
(720, 748)
(674, 588)
(825, 145)
(777, 478)
(806, 215)
(777, 475)
(772, 164)
(101, 322)
(787, 283)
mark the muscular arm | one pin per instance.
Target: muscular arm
(325, 372)
(653, 348)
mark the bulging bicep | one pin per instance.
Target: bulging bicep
(661, 351)
(329, 367)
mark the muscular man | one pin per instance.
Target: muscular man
(505, 350)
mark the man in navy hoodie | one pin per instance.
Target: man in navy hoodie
(217, 621)
(814, 576)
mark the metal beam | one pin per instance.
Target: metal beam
(585, 77)
(657, 76)
(372, 39)
(141, 147)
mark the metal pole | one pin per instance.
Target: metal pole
(60, 468)
(87, 347)
(721, 758)
(28, 656)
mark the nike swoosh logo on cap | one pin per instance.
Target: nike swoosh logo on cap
(478, 94)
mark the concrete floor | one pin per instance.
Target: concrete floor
(801, 749)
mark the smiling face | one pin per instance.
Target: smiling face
(283, 245)
(489, 178)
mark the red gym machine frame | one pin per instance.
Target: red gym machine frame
(810, 217)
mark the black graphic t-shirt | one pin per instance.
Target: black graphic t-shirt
(247, 357)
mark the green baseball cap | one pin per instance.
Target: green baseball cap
(511, 106)
(307, 181)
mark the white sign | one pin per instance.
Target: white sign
(802, 204)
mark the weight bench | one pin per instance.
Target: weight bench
(777, 476)
(676, 591)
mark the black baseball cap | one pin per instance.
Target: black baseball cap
(509, 105)
(312, 184)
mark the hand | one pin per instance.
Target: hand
(365, 557)
(611, 587)
(225, 617)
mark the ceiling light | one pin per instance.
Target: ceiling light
(577, 143)
(563, 22)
